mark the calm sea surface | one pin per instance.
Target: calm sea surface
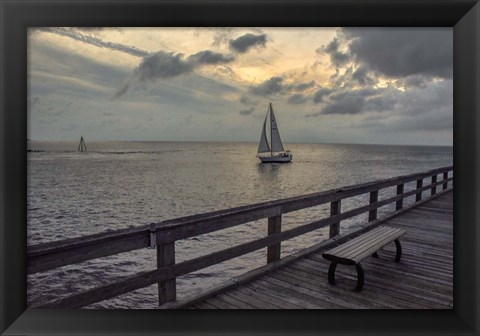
(125, 184)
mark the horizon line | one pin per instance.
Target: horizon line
(241, 141)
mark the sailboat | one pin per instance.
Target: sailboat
(81, 146)
(275, 148)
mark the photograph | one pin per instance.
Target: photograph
(240, 168)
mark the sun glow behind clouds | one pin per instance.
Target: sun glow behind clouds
(324, 83)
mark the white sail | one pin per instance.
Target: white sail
(276, 141)
(275, 146)
(263, 146)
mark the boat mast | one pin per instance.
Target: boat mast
(81, 146)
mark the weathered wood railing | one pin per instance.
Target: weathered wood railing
(163, 235)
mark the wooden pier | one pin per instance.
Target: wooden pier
(422, 279)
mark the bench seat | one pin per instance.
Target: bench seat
(354, 251)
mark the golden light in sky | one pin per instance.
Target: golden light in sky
(328, 84)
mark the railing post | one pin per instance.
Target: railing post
(167, 290)
(418, 197)
(335, 208)
(372, 214)
(274, 226)
(445, 177)
(399, 203)
(434, 189)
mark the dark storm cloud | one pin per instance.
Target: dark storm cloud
(89, 39)
(415, 82)
(247, 111)
(353, 77)
(337, 57)
(276, 85)
(248, 41)
(359, 101)
(400, 52)
(301, 86)
(221, 36)
(270, 86)
(434, 96)
(210, 57)
(297, 98)
(347, 104)
(383, 103)
(320, 94)
(362, 76)
(162, 65)
(429, 108)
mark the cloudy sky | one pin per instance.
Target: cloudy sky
(327, 85)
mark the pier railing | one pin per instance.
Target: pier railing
(163, 235)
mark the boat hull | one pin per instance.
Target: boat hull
(275, 159)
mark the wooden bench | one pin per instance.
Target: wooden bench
(355, 250)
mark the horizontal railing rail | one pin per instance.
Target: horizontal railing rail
(163, 235)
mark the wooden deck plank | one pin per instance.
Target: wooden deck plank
(290, 301)
(254, 301)
(273, 298)
(383, 293)
(394, 272)
(204, 305)
(385, 279)
(404, 292)
(314, 297)
(344, 287)
(338, 297)
(413, 259)
(220, 304)
(233, 300)
(422, 279)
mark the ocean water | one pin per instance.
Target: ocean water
(117, 185)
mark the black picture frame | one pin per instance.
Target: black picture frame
(17, 16)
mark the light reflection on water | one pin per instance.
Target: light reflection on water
(122, 184)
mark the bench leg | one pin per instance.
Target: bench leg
(375, 255)
(361, 277)
(399, 250)
(331, 273)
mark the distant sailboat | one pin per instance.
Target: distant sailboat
(81, 146)
(275, 148)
